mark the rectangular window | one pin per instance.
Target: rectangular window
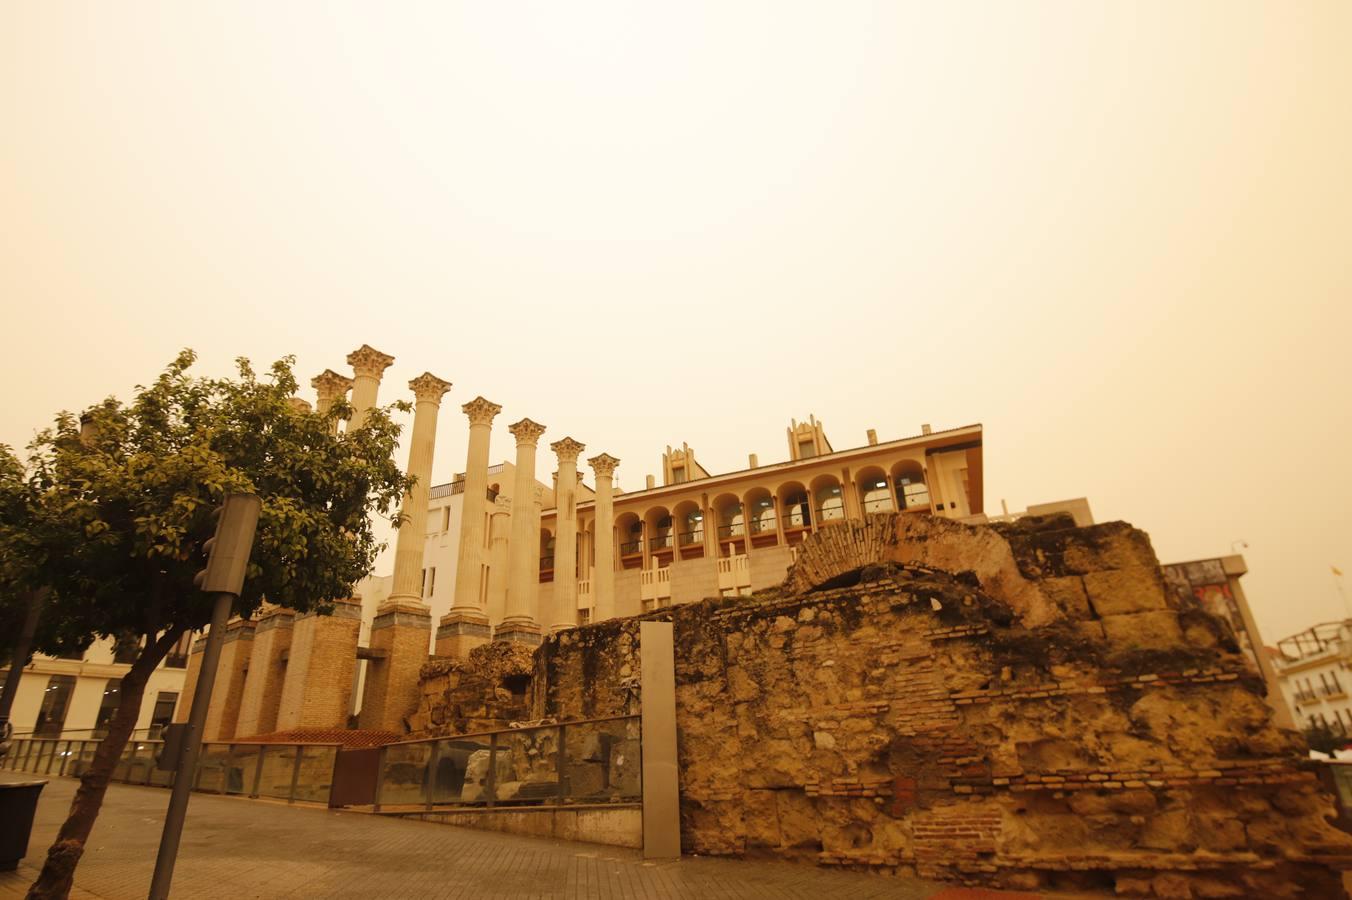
(55, 703)
(165, 701)
(583, 616)
(112, 693)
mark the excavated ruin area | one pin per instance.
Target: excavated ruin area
(1013, 706)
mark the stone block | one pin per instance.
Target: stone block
(1112, 545)
(1068, 593)
(1133, 590)
(1157, 630)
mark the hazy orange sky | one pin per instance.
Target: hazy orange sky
(1119, 235)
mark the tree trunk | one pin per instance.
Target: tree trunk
(58, 872)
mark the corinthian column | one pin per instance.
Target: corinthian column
(603, 582)
(368, 364)
(412, 535)
(522, 622)
(402, 626)
(465, 625)
(565, 542)
(468, 573)
(329, 386)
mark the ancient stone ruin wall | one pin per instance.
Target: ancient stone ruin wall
(1015, 706)
(486, 691)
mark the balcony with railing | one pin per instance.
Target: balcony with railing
(1304, 696)
(1332, 691)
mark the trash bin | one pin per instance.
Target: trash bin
(18, 802)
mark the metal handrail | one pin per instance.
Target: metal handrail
(628, 548)
(691, 537)
(660, 542)
(763, 525)
(728, 530)
(39, 755)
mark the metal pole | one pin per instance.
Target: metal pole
(192, 747)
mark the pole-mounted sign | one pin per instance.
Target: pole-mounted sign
(227, 562)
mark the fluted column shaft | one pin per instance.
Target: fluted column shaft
(523, 567)
(565, 540)
(603, 582)
(412, 534)
(474, 506)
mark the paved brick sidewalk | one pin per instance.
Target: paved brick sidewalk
(239, 848)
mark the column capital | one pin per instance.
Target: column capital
(567, 449)
(299, 405)
(329, 385)
(366, 360)
(526, 432)
(604, 465)
(428, 388)
(481, 411)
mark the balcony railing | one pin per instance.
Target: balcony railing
(763, 525)
(1331, 690)
(630, 548)
(661, 542)
(687, 538)
(879, 505)
(288, 772)
(1304, 696)
(735, 530)
(830, 513)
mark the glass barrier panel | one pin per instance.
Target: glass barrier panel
(279, 765)
(141, 762)
(212, 768)
(402, 773)
(155, 775)
(123, 763)
(601, 762)
(316, 773)
(243, 767)
(527, 766)
(87, 751)
(462, 770)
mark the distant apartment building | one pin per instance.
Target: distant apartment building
(1314, 669)
(75, 696)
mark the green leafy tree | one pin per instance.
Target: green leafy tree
(135, 496)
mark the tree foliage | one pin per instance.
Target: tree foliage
(126, 494)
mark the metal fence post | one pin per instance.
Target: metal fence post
(430, 776)
(380, 777)
(131, 762)
(295, 773)
(258, 770)
(491, 782)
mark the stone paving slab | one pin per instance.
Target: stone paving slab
(238, 848)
